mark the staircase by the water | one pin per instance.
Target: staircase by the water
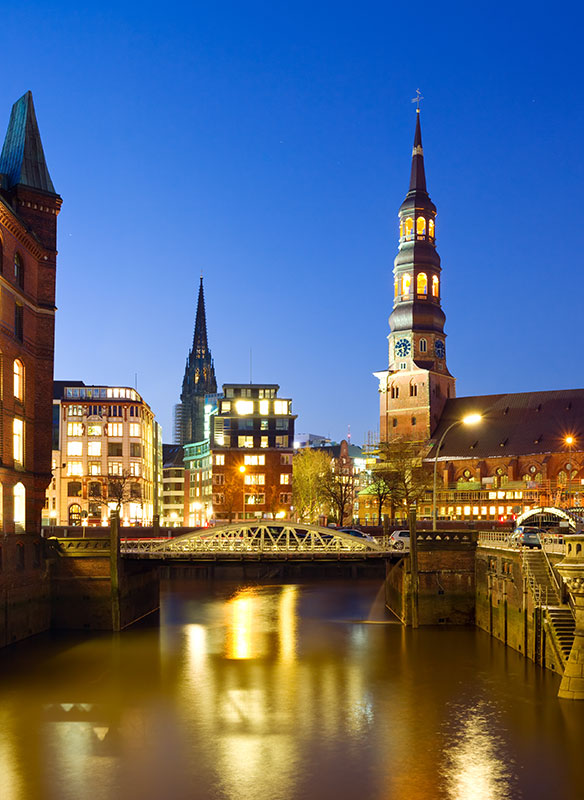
(545, 591)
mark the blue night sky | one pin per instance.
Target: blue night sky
(268, 146)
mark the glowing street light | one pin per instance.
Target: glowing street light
(469, 419)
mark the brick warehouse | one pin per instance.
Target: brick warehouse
(527, 451)
(29, 207)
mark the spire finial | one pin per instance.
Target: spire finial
(417, 100)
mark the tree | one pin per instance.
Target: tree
(380, 488)
(311, 472)
(339, 489)
(119, 489)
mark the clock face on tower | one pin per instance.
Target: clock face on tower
(402, 348)
(439, 349)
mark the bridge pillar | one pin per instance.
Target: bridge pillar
(572, 571)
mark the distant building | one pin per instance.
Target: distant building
(29, 207)
(198, 382)
(311, 440)
(252, 446)
(173, 486)
(105, 442)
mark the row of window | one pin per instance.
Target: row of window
(421, 285)
(249, 392)
(254, 479)
(223, 440)
(253, 499)
(94, 449)
(249, 423)
(406, 228)
(111, 429)
(103, 411)
(246, 407)
(113, 468)
(97, 489)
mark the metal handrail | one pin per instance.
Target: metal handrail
(551, 571)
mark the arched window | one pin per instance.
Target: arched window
(406, 283)
(18, 379)
(75, 514)
(431, 228)
(401, 229)
(423, 346)
(409, 227)
(19, 496)
(435, 286)
(562, 478)
(395, 287)
(18, 270)
(74, 489)
(421, 227)
(413, 389)
(538, 477)
(422, 284)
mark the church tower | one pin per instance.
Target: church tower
(417, 383)
(198, 382)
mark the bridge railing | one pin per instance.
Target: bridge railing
(551, 543)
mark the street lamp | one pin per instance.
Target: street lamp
(469, 419)
(242, 470)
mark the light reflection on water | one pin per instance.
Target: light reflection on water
(288, 692)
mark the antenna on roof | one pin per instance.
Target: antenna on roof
(250, 370)
(349, 434)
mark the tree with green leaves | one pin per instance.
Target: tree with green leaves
(311, 472)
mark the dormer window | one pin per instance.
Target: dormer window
(431, 228)
(409, 227)
(435, 286)
(421, 227)
(406, 283)
(422, 284)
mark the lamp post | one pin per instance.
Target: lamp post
(469, 419)
(569, 441)
(242, 470)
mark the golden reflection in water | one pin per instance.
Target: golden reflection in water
(261, 767)
(240, 632)
(11, 784)
(287, 623)
(475, 763)
(196, 643)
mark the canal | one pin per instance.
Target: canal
(279, 692)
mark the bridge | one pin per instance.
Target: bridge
(253, 539)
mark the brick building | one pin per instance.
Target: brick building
(527, 450)
(29, 207)
(252, 446)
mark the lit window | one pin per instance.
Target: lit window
(225, 406)
(285, 477)
(431, 228)
(422, 284)
(115, 429)
(281, 441)
(114, 468)
(75, 411)
(245, 441)
(401, 228)
(421, 227)
(263, 425)
(135, 469)
(74, 448)
(19, 496)
(219, 460)
(264, 441)
(264, 407)
(406, 284)
(409, 227)
(93, 449)
(74, 429)
(254, 461)
(135, 429)
(244, 407)
(280, 406)
(94, 468)
(18, 379)
(255, 480)
(94, 430)
(423, 345)
(254, 499)
(435, 286)
(18, 441)
(75, 468)
(395, 287)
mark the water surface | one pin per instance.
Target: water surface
(282, 692)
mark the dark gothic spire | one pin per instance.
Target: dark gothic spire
(22, 160)
(418, 176)
(200, 335)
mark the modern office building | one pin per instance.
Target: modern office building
(105, 456)
(173, 486)
(252, 446)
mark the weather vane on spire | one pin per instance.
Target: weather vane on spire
(419, 96)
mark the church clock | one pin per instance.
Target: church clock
(402, 348)
(439, 349)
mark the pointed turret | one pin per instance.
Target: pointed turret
(418, 174)
(200, 334)
(22, 161)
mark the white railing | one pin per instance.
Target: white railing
(551, 543)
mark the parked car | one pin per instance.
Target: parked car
(527, 536)
(358, 533)
(399, 540)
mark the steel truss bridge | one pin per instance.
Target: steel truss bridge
(253, 539)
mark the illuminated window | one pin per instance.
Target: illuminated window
(225, 406)
(255, 480)
(135, 429)
(264, 441)
(19, 496)
(435, 286)
(423, 345)
(18, 379)
(285, 477)
(431, 228)
(562, 478)
(18, 442)
(281, 441)
(255, 499)
(93, 449)
(244, 407)
(395, 287)
(245, 441)
(219, 459)
(74, 448)
(263, 425)
(264, 407)
(254, 461)
(94, 468)
(422, 283)
(409, 226)
(406, 283)
(74, 429)
(18, 270)
(114, 468)
(94, 430)
(280, 406)
(115, 429)
(421, 227)
(401, 229)
(75, 468)
(74, 411)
